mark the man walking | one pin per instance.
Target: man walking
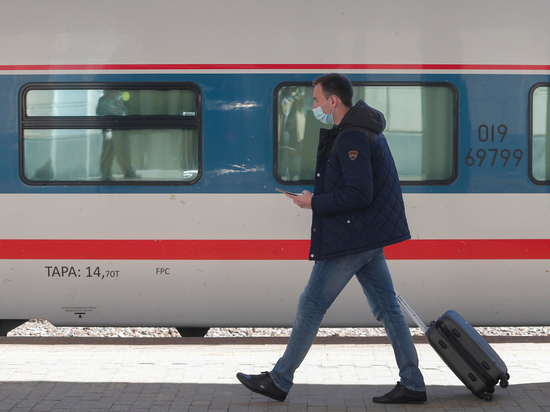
(357, 210)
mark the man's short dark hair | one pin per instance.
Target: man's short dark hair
(338, 85)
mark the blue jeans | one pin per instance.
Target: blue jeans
(327, 280)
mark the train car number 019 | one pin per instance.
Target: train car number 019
(493, 156)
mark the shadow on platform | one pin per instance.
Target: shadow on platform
(121, 396)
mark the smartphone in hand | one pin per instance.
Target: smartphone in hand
(287, 192)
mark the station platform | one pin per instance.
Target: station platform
(198, 374)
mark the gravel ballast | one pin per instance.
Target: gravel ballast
(43, 328)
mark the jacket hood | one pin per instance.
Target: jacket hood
(362, 115)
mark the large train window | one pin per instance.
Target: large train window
(421, 130)
(115, 133)
(539, 165)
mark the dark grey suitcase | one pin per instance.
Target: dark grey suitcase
(464, 351)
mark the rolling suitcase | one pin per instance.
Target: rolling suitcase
(464, 351)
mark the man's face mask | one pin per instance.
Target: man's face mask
(322, 116)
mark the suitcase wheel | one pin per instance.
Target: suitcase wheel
(504, 378)
(487, 396)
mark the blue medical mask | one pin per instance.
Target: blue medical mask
(322, 116)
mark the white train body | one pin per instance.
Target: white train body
(218, 246)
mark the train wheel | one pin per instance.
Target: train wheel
(8, 324)
(192, 332)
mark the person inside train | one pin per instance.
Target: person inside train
(116, 143)
(357, 210)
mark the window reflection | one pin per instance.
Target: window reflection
(78, 155)
(540, 140)
(83, 102)
(420, 130)
(297, 134)
(292, 123)
(111, 135)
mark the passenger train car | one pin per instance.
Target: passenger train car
(141, 143)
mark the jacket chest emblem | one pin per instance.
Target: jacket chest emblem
(353, 154)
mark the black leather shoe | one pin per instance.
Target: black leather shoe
(262, 384)
(400, 394)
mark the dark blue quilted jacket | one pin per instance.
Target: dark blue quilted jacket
(357, 203)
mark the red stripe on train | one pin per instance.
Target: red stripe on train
(313, 67)
(441, 249)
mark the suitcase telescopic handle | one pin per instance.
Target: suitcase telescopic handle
(411, 312)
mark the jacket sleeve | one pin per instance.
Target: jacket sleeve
(355, 187)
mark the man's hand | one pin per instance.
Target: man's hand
(303, 200)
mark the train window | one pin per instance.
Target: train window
(540, 134)
(421, 130)
(110, 133)
(94, 102)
